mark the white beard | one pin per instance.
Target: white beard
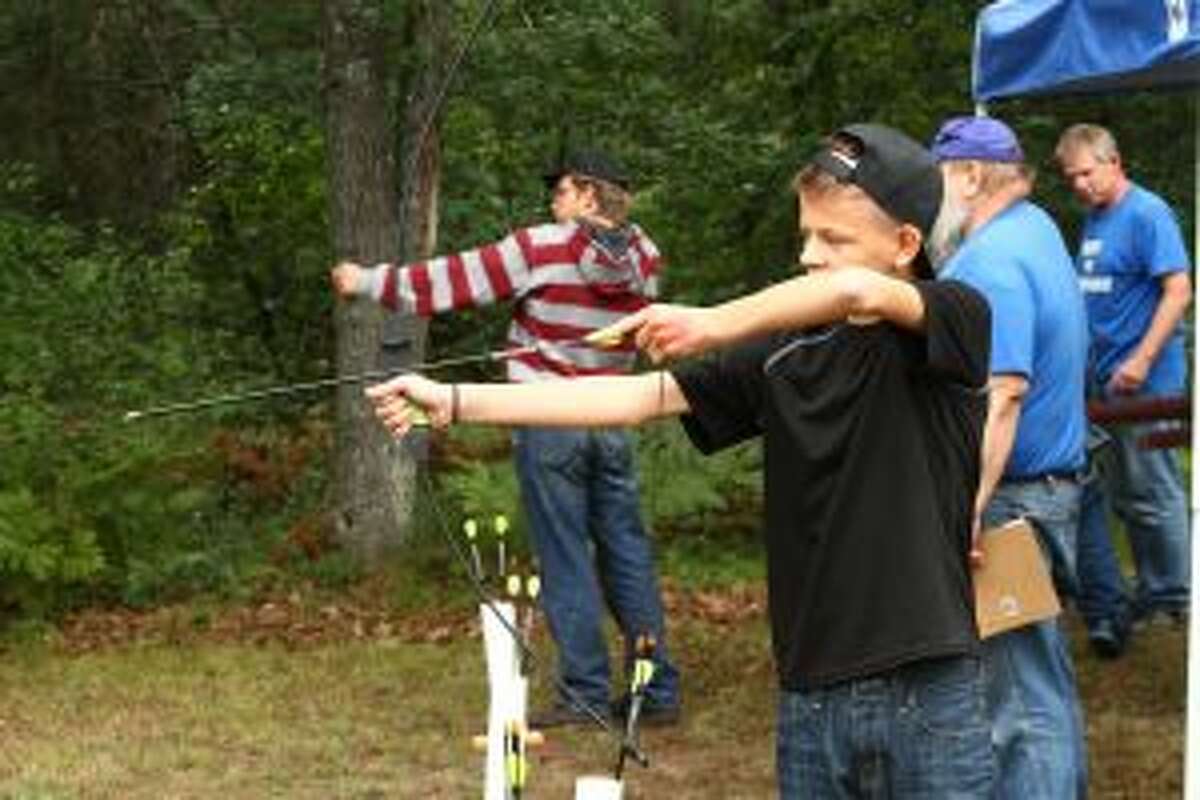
(948, 231)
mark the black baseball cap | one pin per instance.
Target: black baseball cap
(588, 164)
(899, 174)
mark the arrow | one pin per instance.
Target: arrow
(324, 383)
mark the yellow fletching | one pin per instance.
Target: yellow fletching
(518, 769)
(605, 337)
(515, 762)
(643, 671)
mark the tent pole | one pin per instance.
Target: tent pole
(1191, 761)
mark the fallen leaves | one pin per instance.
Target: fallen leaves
(304, 618)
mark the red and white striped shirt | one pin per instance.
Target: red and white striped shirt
(564, 279)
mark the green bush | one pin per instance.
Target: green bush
(683, 488)
(93, 507)
(40, 550)
(253, 223)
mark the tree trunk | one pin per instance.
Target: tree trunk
(675, 15)
(778, 8)
(404, 336)
(374, 484)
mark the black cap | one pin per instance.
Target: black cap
(588, 164)
(899, 174)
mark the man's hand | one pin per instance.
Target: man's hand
(346, 278)
(668, 331)
(975, 556)
(1129, 377)
(410, 400)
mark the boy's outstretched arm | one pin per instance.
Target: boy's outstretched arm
(851, 293)
(471, 278)
(603, 401)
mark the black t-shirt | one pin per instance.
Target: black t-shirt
(872, 438)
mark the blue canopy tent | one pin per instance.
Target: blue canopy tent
(1040, 47)
(1027, 48)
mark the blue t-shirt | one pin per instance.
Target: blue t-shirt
(1125, 252)
(1019, 262)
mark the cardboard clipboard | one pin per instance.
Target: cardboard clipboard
(1013, 587)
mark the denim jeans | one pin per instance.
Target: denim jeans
(1146, 490)
(580, 494)
(1033, 703)
(918, 731)
(1103, 593)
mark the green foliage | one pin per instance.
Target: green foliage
(21, 185)
(683, 489)
(254, 225)
(68, 362)
(483, 489)
(40, 551)
(714, 559)
(164, 236)
(336, 570)
(92, 506)
(477, 482)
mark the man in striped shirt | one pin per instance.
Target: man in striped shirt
(565, 279)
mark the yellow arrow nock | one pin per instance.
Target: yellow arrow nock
(419, 418)
(605, 337)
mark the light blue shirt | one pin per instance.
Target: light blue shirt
(1126, 250)
(1019, 262)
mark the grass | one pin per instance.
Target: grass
(225, 721)
(368, 719)
(347, 695)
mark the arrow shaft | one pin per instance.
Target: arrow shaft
(323, 383)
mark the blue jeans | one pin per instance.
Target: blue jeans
(1146, 490)
(917, 731)
(1103, 594)
(1033, 704)
(580, 494)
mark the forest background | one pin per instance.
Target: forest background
(168, 215)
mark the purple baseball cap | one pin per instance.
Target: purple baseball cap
(976, 139)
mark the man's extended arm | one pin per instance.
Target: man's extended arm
(471, 278)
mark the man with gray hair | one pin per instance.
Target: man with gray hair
(994, 239)
(1133, 269)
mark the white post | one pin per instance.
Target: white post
(508, 693)
(596, 787)
(1191, 760)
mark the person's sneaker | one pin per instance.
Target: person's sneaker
(560, 715)
(652, 715)
(1162, 618)
(1107, 639)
